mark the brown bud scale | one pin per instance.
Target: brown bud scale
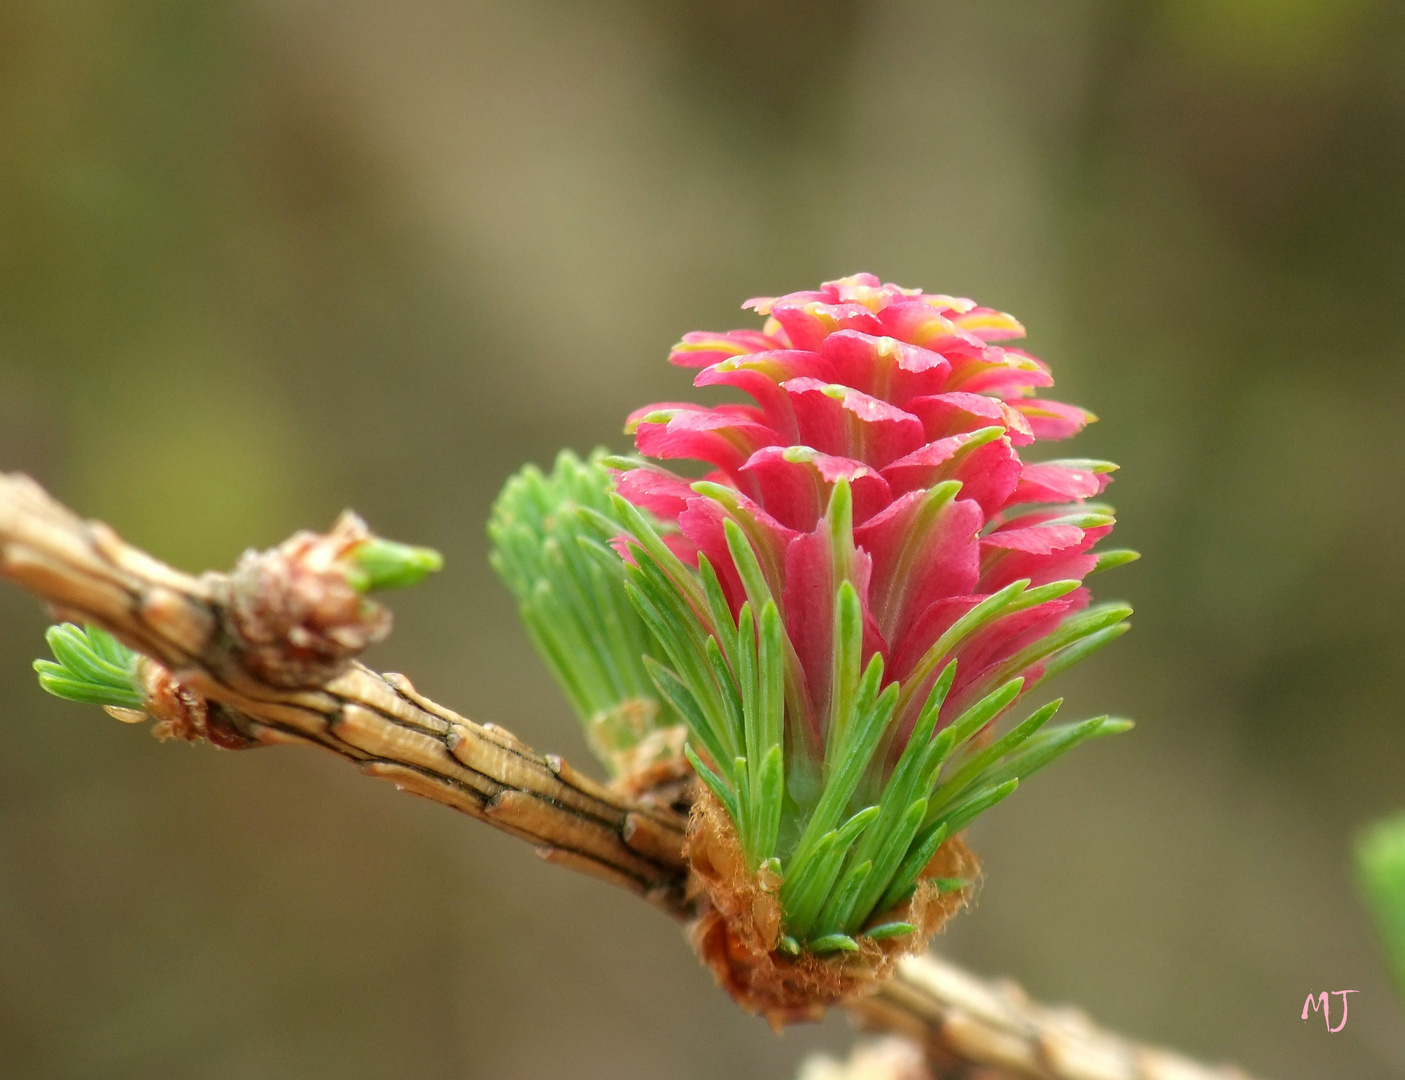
(739, 926)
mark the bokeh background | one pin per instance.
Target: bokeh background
(261, 261)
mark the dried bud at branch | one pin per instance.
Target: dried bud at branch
(295, 612)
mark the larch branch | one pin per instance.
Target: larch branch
(970, 1028)
(377, 721)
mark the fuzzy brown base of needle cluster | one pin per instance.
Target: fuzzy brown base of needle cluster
(739, 925)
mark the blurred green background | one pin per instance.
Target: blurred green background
(262, 261)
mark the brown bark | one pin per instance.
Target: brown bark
(986, 1029)
(206, 681)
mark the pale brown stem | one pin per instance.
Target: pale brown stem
(984, 1029)
(971, 1029)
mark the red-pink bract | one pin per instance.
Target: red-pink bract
(899, 394)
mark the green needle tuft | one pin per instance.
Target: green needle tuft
(550, 534)
(90, 666)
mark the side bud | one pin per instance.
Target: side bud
(298, 613)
